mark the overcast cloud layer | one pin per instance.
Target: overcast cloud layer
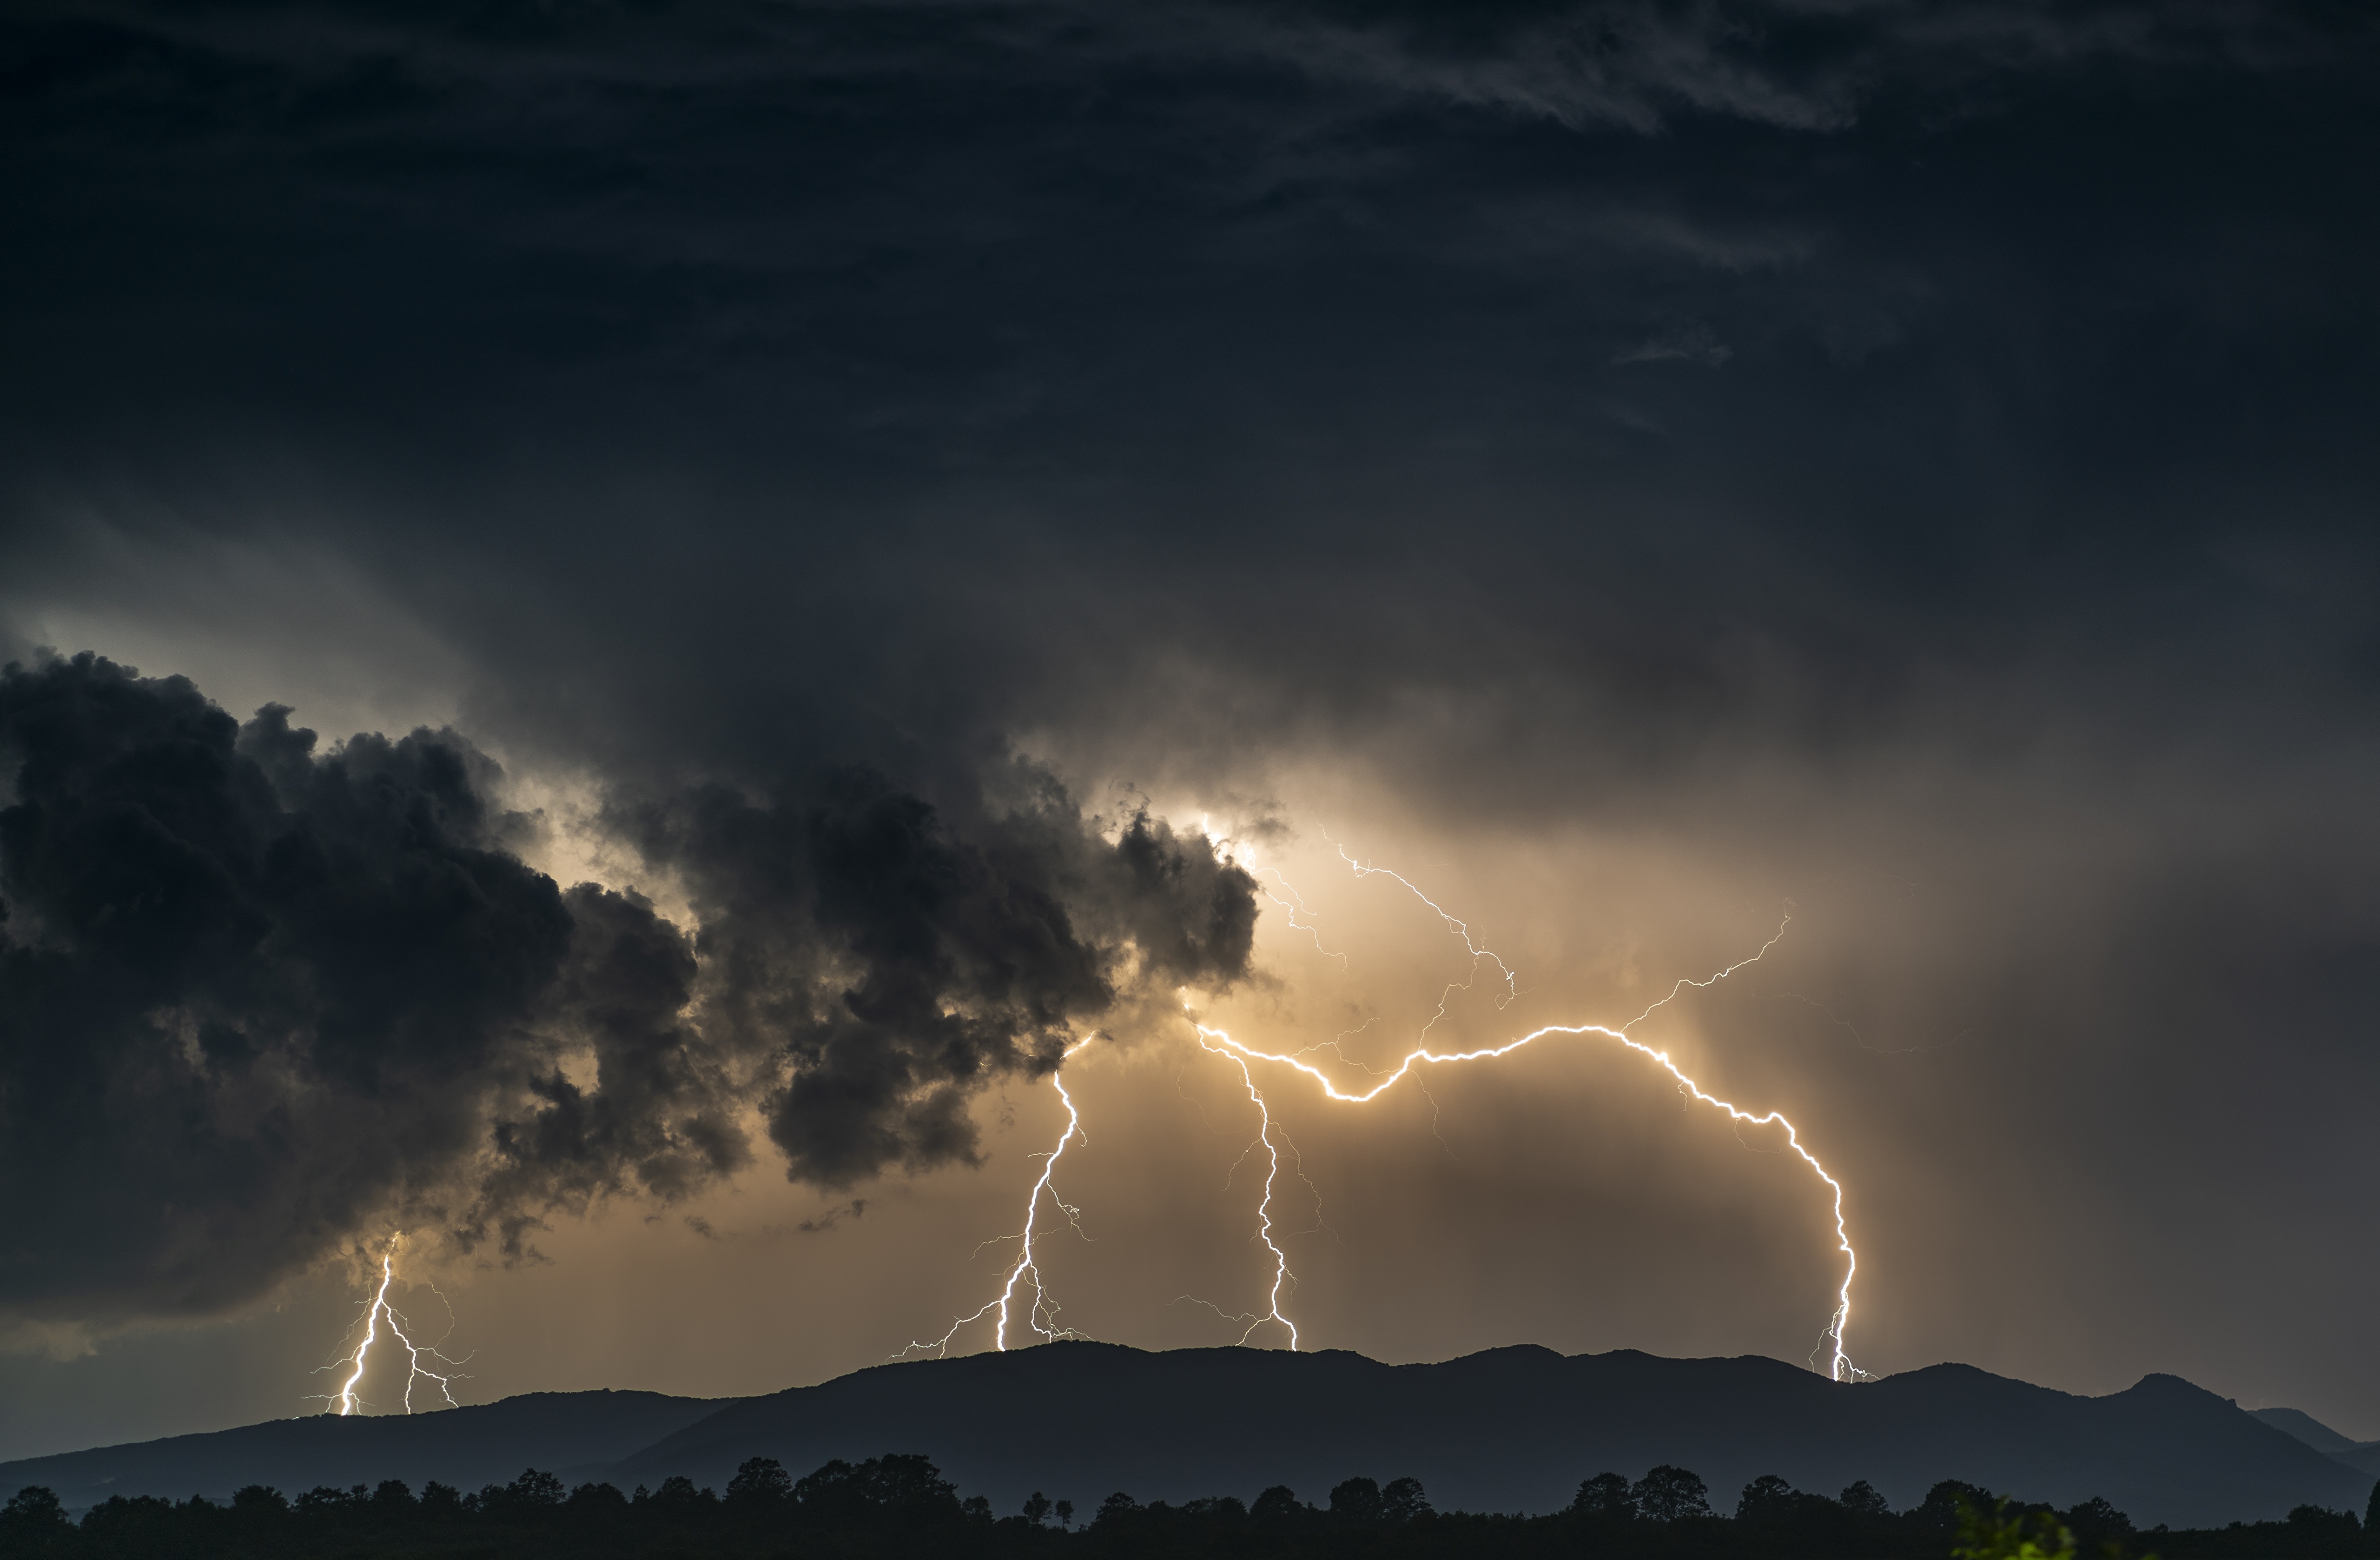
(1841, 446)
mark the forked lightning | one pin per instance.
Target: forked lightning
(415, 1370)
(1042, 1315)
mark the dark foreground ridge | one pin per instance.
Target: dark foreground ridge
(1512, 1429)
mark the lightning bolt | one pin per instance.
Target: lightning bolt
(1264, 1208)
(1839, 1366)
(1293, 906)
(1461, 929)
(1042, 1315)
(416, 1371)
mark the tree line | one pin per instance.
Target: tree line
(900, 1505)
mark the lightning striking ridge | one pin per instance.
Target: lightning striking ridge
(1042, 1315)
(1264, 1208)
(1840, 1366)
(415, 1370)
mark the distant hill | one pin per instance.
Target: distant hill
(1510, 1429)
(2362, 1455)
(577, 1433)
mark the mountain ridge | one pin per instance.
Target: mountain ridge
(574, 1434)
(1512, 1428)
(2362, 1456)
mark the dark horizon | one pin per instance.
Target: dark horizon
(1182, 1426)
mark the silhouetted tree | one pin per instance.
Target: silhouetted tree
(256, 1501)
(392, 1498)
(902, 1484)
(437, 1500)
(760, 1484)
(534, 1487)
(1356, 1501)
(677, 1497)
(2096, 1522)
(1766, 1499)
(35, 1509)
(1037, 1508)
(1945, 1507)
(1604, 1497)
(124, 1525)
(1115, 1511)
(825, 1494)
(1224, 1511)
(2371, 1511)
(1402, 1501)
(1277, 1504)
(1667, 1494)
(1065, 1511)
(2312, 1526)
(1862, 1499)
(601, 1502)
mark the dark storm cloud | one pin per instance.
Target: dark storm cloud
(256, 999)
(1886, 443)
(945, 963)
(962, 369)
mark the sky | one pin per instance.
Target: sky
(626, 621)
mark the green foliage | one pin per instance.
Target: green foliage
(2002, 1530)
(1997, 1534)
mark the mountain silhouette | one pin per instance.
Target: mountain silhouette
(1507, 1430)
(2362, 1455)
(1512, 1429)
(575, 1433)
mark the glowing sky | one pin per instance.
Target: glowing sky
(919, 502)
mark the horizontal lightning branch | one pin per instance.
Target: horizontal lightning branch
(1220, 1040)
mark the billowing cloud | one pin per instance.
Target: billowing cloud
(258, 999)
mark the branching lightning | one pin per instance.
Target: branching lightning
(1840, 1366)
(379, 1308)
(1042, 1315)
(1293, 906)
(1264, 1209)
(1460, 929)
